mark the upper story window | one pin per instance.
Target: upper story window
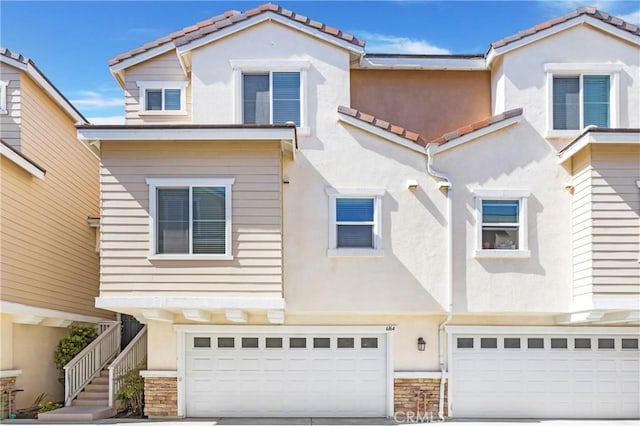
(354, 222)
(271, 98)
(580, 101)
(3, 97)
(162, 97)
(190, 217)
(580, 95)
(271, 92)
(501, 223)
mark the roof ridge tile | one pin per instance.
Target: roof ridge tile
(477, 125)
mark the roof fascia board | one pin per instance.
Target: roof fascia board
(185, 134)
(477, 134)
(22, 162)
(41, 81)
(598, 138)
(268, 16)
(149, 54)
(385, 134)
(466, 64)
(558, 28)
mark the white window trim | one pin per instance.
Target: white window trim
(162, 85)
(241, 66)
(580, 70)
(523, 251)
(376, 194)
(3, 97)
(155, 183)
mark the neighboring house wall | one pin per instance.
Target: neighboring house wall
(256, 269)
(606, 225)
(163, 68)
(427, 102)
(48, 251)
(10, 121)
(526, 85)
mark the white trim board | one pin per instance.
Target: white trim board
(10, 373)
(384, 134)
(418, 375)
(193, 134)
(530, 330)
(283, 329)
(598, 138)
(21, 162)
(20, 309)
(158, 373)
(207, 303)
(477, 134)
(445, 63)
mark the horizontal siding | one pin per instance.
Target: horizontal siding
(163, 68)
(10, 122)
(582, 220)
(256, 269)
(48, 250)
(614, 226)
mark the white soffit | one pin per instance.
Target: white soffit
(604, 138)
(174, 134)
(423, 63)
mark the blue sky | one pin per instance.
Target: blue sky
(72, 41)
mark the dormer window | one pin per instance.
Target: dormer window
(162, 97)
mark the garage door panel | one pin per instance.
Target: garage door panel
(544, 382)
(304, 381)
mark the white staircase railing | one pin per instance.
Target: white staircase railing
(88, 363)
(131, 357)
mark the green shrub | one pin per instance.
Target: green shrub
(49, 406)
(131, 391)
(72, 345)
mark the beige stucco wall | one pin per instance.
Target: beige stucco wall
(33, 347)
(6, 342)
(427, 102)
(48, 253)
(513, 158)
(256, 268)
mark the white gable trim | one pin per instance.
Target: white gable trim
(384, 134)
(21, 162)
(46, 85)
(580, 20)
(149, 54)
(430, 63)
(268, 17)
(477, 134)
(599, 138)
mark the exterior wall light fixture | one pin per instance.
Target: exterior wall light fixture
(421, 344)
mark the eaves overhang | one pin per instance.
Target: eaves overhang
(383, 61)
(95, 135)
(599, 135)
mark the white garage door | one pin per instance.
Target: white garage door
(292, 375)
(591, 376)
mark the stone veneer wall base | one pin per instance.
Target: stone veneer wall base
(418, 398)
(5, 384)
(161, 397)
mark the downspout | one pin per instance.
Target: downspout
(444, 182)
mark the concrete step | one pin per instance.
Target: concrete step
(93, 395)
(78, 413)
(97, 387)
(104, 373)
(100, 381)
(103, 402)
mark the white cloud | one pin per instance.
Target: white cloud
(383, 43)
(115, 119)
(91, 99)
(633, 17)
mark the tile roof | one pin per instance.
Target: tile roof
(448, 137)
(590, 11)
(15, 56)
(384, 125)
(231, 17)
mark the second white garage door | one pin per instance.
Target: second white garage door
(545, 376)
(292, 375)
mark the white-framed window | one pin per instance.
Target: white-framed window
(190, 218)
(501, 223)
(271, 92)
(163, 97)
(580, 95)
(355, 222)
(3, 96)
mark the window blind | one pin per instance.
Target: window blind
(255, 98)
(596, 100)
(172, 99)
(286, 97)
(173, 220)
(209, 220)
(566, 102)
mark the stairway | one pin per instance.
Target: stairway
(91, 404)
